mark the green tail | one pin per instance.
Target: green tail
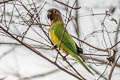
(75, 55)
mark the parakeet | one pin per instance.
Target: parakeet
(61, 38)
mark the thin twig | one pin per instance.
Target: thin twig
(67, 5)
(89, 44)
(113, 67)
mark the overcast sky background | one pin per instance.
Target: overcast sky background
(21, 62)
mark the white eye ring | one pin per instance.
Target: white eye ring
(54, 11)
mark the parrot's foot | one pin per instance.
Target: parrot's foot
(54, 47)
(64, 57)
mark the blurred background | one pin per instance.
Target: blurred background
(25, 49)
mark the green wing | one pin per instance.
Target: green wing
(67, 42)
(67, 39)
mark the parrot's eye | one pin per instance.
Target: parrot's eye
(54, 11)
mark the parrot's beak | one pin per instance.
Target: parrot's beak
(49, 14)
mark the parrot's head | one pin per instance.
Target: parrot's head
(54, 15)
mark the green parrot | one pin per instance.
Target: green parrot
(61, 38)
